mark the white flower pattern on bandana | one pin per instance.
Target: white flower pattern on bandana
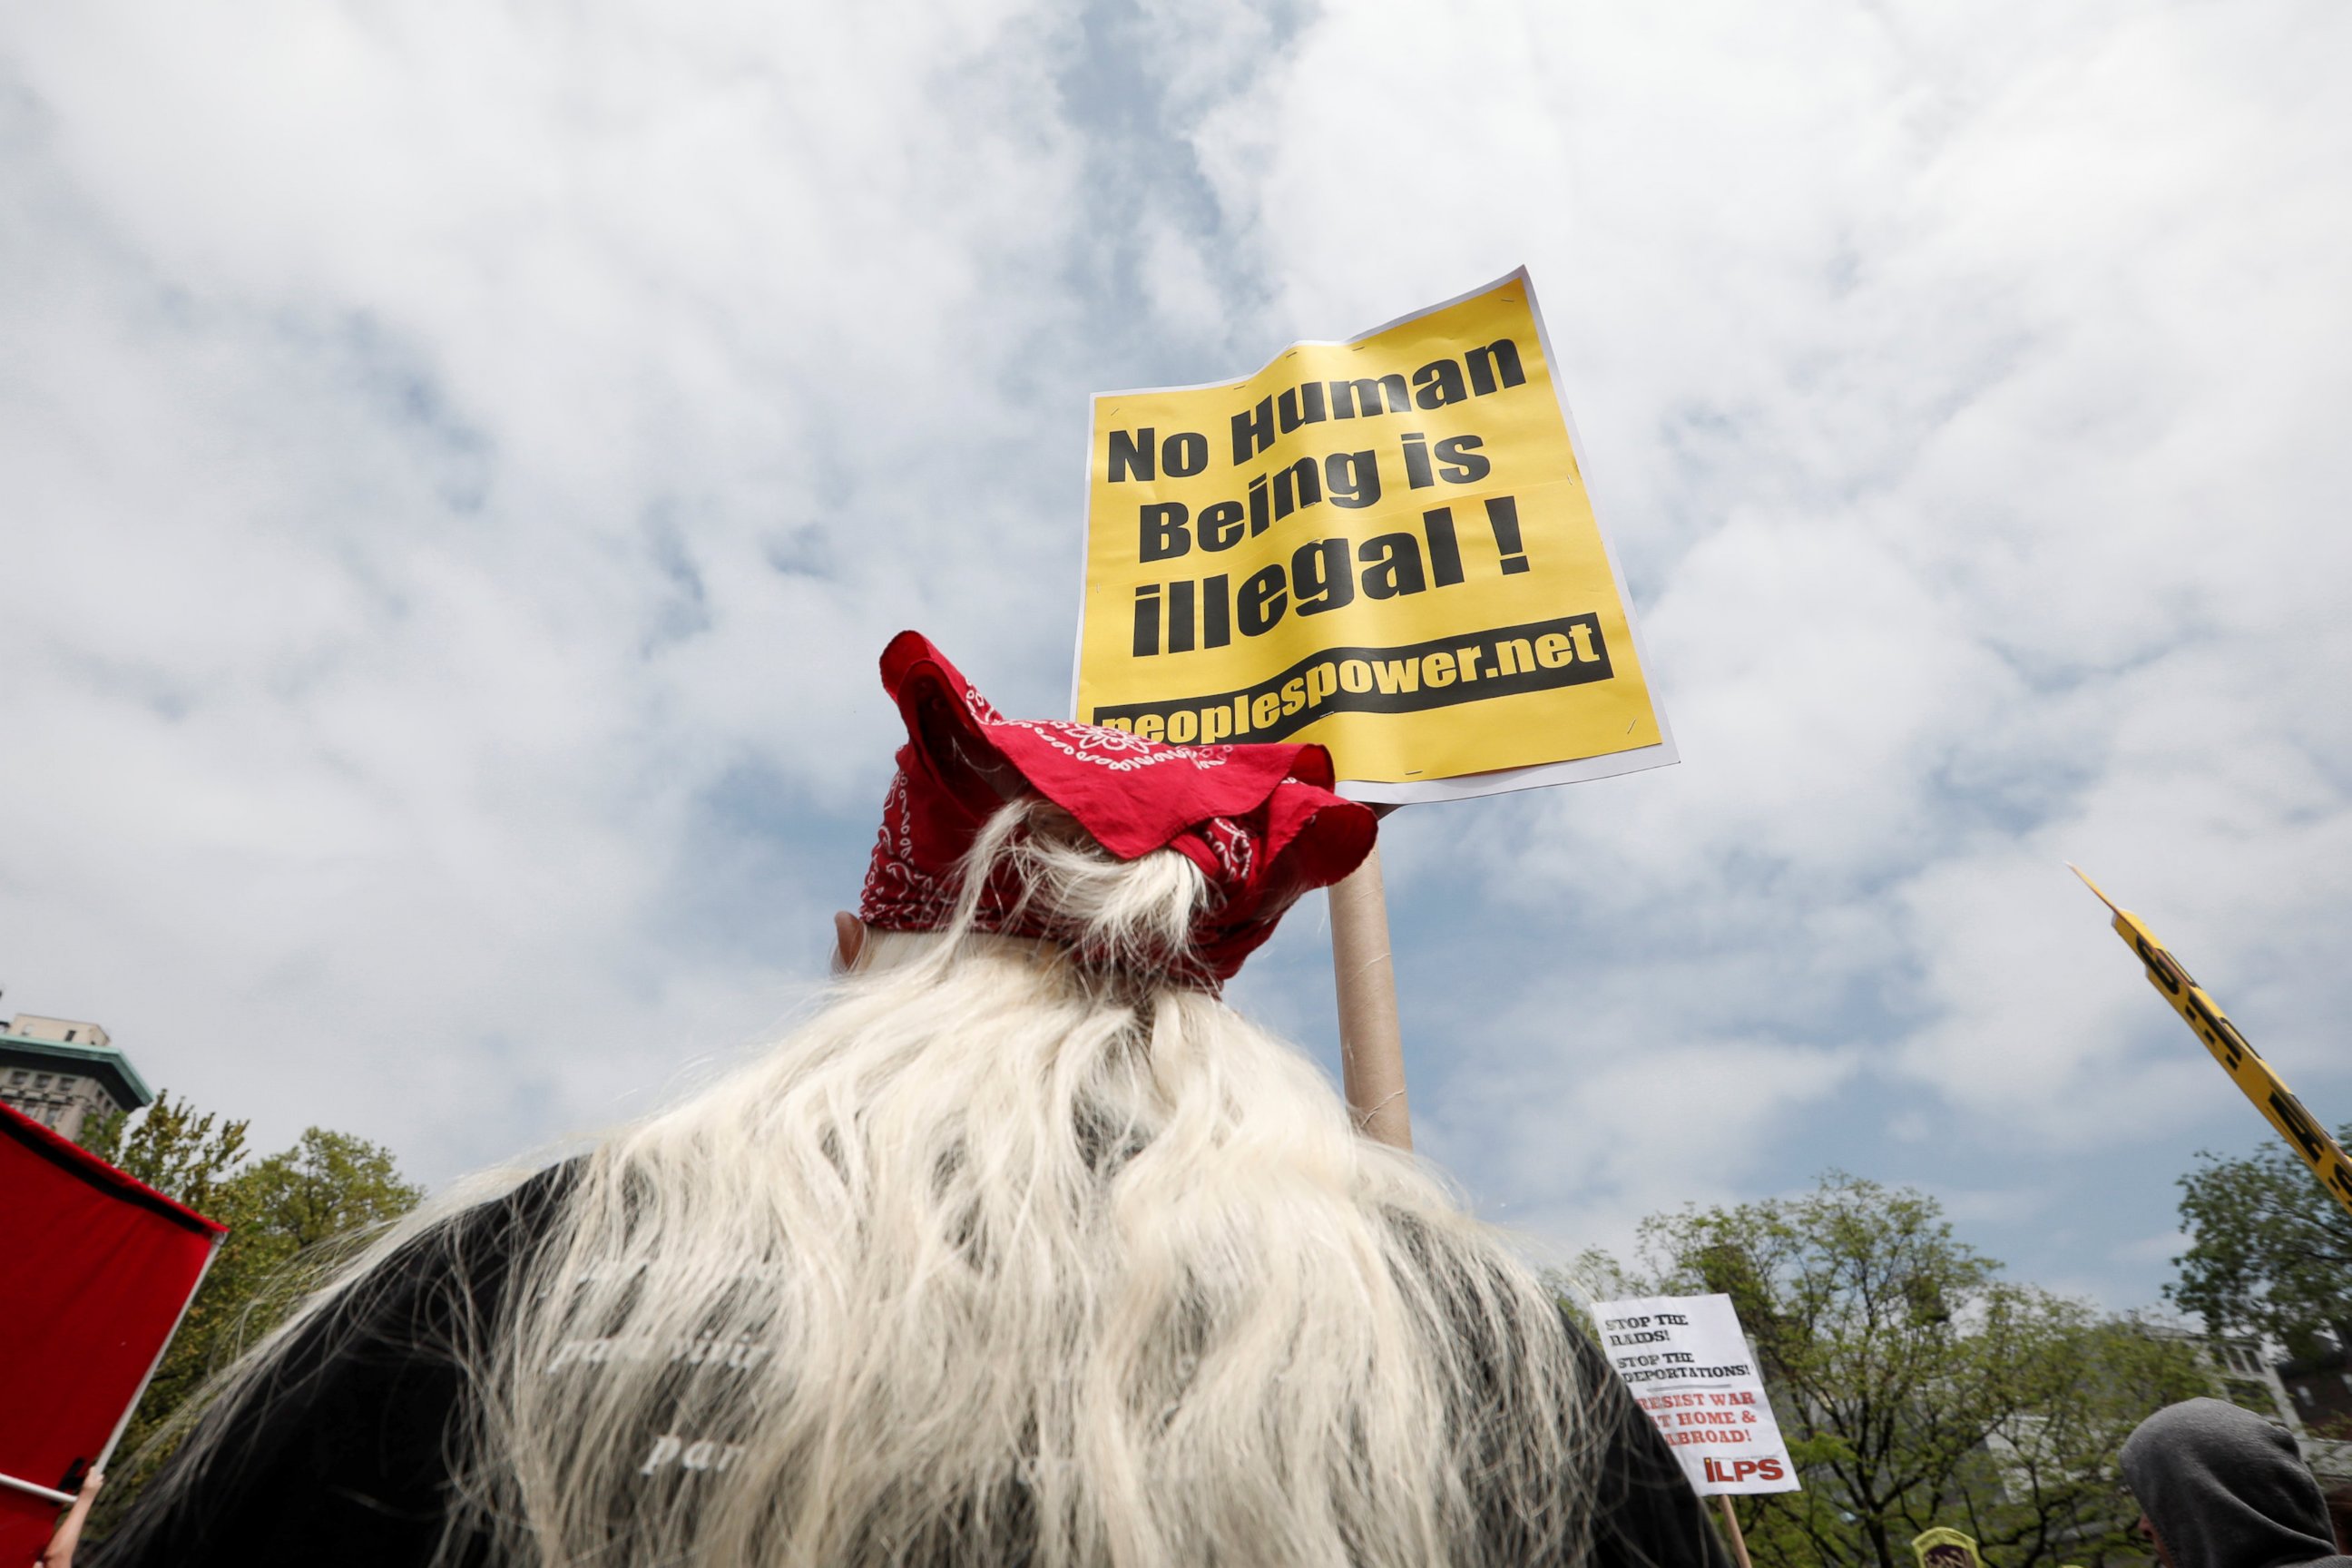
(897, 889)
(1116, 749)
(1119, 750)
(1236, 845)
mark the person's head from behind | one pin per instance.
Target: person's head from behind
(2219, 1486)
(1025, 1241)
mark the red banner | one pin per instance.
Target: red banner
(95, 1269)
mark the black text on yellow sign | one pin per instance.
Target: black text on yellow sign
(2245, 1067)
(1385, 545)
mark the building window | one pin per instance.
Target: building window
(19, 1076)
(42, 1081)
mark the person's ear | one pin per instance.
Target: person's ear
(848, 940)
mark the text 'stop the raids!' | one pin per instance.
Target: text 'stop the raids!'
(1384, 545)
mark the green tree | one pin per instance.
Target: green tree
(291, 1215)
(171, 1148)
(1914, 1386)
(2270, 1251)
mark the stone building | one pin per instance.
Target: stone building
(2321, 1385)
(2293, 1394)
(63, 1072)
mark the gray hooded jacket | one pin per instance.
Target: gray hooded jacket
(2226, 1489)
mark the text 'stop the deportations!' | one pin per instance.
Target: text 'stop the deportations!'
(1385, 545)
(1689, 1366)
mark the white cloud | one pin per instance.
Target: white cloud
(1963, 397)
(462, 464)
(445, 449)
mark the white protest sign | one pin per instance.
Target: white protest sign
(1689, 1366)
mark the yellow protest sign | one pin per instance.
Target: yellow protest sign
(2246, 1069)
(1943, 1547)
(1385, 545)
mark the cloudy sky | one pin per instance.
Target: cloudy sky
(458, 462)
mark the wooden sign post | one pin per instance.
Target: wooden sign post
(1371, 1046)
(1731, 1525)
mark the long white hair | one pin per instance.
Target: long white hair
(1012, 1256)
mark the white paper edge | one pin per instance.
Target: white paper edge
(1086, 561)
(1503, 781)
(140, 1393)
(1458, 786)
(47, 1494)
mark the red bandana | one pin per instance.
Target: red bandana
(1261, 821)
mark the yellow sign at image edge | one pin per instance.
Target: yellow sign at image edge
(2302, 1132)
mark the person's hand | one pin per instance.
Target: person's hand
(59, 1552)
